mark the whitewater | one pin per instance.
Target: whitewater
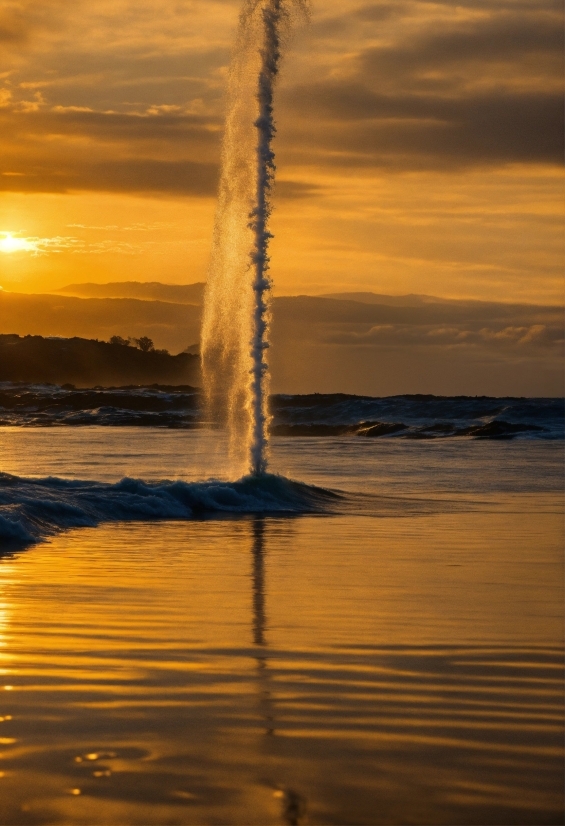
(58, 479)
(31, 510)
(314, 414)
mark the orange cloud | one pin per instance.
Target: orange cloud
(418, 143)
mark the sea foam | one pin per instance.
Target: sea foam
(32, 510)
(316, 414)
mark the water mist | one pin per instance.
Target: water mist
(235, 328)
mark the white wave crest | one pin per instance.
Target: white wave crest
(34, 509)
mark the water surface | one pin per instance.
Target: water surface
(398, 661)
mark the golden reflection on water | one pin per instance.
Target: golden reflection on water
(343, 670)
(259, 625)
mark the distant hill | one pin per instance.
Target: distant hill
(371, 344)
(339, 310)
(86, 363)
(174, 326)
(411, 300)
(146, 291)
(417, 300)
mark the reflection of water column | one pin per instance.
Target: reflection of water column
(259, 623)
(293, 804)
(259, 582)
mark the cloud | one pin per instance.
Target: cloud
(455, 91)
(369, 129)
(149, 175)
(519, 330)
(504, 37)
(139, 227)
(130, 96)
(532, 338)
(37, 246)
(113, 127)
(295, 189)
(107, 151)
(137, 175)
(12, 25)
(67, 149)
(86, 152)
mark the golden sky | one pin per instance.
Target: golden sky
(419, 145)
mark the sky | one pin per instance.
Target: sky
(419, 145)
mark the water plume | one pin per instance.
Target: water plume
(235, 328)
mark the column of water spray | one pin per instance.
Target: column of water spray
(236, 308)
(270, 57)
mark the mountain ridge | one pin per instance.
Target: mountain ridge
(141, 290)
(336, 344)
(193, 293)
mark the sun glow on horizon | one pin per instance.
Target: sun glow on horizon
(10, 243)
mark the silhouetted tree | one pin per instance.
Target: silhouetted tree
(144, 343)
(125, 342)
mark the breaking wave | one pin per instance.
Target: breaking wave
(418, 416)
(34, 509)
(315, 414)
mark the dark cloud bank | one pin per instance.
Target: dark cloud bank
(476, 93)
(482, 91)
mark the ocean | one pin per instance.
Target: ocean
(379, 641)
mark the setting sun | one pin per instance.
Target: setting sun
(10, 244)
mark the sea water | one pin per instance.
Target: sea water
(394, 659)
